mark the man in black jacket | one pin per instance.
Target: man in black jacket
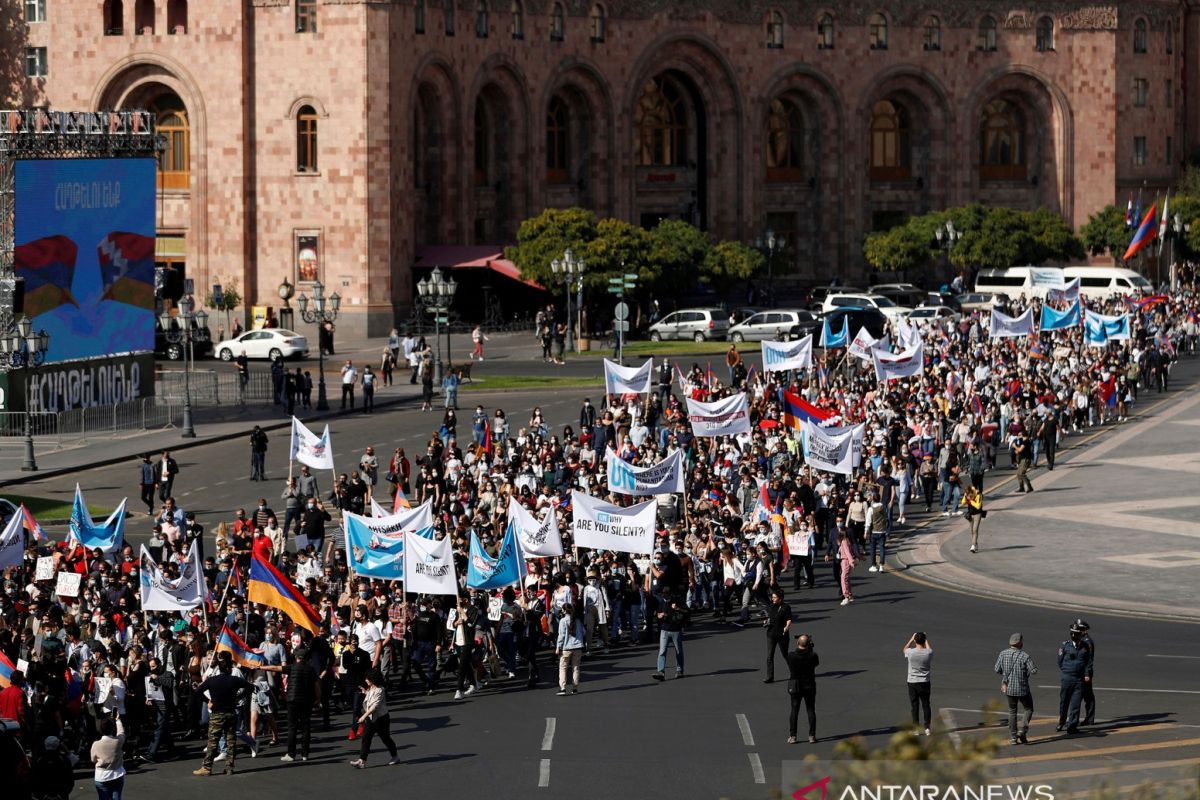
(802, 686)
(303, 690)
(777, 624)
(165, 470)
(258, 454)
(223, 689)
(312, 523)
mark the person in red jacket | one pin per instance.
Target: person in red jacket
(262, 546)
(12, 700)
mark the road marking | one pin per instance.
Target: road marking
(1083, 773)
(1159, 655)
(1099, 751)
(548, 737)
(947, 715)
(222, 483)
(544, 774)
(757, 768)
(1114, 689)
(201, 488)
(744, 725)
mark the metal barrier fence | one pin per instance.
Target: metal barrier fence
(42, 423)
(212, 388)
(54, 426)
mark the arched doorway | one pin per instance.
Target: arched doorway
(670, 151)
(428, 165)
(492, 176)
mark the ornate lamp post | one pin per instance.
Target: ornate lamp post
(947, 237)
(569, 270)
(21, 347)
(194, 329)
(769, 242)
(434, 294)
(319, 314)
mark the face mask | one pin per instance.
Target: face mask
(364, 595)
(270, 637)
(311, 506)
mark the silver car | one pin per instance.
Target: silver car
(791, 323)
(697, 324)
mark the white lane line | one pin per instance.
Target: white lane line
(548, 738)
(201, 488)
(744, 725)
(222, 483)
(544, 774)
(757, 768)
(1149, 691)
(1157, 655)
(947, 715)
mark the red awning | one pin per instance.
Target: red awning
(471, 256)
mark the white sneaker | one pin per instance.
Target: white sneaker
(883, 567)
(471, 689)
(973, 550)
(873, 568)
(509, 675)
(927, 733)
(286, 759)
(458, 695)
(220, 757)
(945, 513)
(845, 601)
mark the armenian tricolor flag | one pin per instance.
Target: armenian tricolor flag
(400, 501)
(1144, 234)
(48, 267)
(796, 410)
(243, 654)
(1147, 303)
(269, 587)
(6, 670)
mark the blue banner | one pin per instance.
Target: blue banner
(375, 546)
(1099, 329)
(1053, 320)
(829, 339)
(107, 537)
(486, 572)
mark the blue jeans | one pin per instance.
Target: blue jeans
(879, 544)
(110, 790)
(290, 518)
(258, 465)
(674, 638)
(506, 643)
(637, 621)
(1037, 451)
(951, 495)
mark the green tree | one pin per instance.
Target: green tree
(619, 248)
(729, 263)
(1105, 233)
(1003, 240)
(547, 236)
(679, 249)
(1053, 238)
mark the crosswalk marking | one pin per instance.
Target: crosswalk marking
(1083, 773)
(1099, 751)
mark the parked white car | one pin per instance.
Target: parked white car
(269, 343)
(926, 314)
(791, 323)
(877, 301)
(697, 324)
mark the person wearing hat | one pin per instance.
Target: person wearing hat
(1016, 667)
(1075, 669)
(1089, 694)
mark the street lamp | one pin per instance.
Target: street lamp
(947, 236)
(569, 269)
(1179, 228)
(24, 348)
(770, 243)
(435, 294)
(195, 329)
(320, 315)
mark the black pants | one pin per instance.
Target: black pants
(803, 565)
(928, 485)
(809, 698)
(347, 391)
(148, 496)
(1048, 451)
(1089, 704)
(299, 721)
(773, 644)
(918, 700)
(376, 726)
(466, 666)
(1070, 694)
(368, 406)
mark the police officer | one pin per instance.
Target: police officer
(1089, 694)
(1075, 666)
(1024, 453)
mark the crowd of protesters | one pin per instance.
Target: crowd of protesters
(102, 682)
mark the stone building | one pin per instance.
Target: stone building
(346, 139)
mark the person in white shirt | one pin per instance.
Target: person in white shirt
(110, 695)
(349, 378)
(370, 637)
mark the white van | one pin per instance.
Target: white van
(1101, 282)
(1016, 281)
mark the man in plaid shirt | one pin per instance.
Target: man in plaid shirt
(1015, 665)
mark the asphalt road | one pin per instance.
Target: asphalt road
(720, 732)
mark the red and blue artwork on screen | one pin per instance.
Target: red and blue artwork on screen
(85, 247)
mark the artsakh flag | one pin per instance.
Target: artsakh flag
(30, 524)
(127, 268)
(400, 501)
(48, 267)
(796, 410)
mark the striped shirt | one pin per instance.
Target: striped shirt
(1016, 666)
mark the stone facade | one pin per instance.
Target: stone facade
(734, 115)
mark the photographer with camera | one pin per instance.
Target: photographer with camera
(919, 654)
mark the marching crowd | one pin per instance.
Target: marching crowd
(95, 679)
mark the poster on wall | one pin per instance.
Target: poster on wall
(84, 243)
(308, 257)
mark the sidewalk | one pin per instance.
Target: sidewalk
(1108, 531)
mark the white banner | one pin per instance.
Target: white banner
(68, 584)
(375, 545)
(665, 477)
(604, 526)
(890, 366)
(907, 335)
(1067, 292)
(12, 542)
(831, 452)
(429, 566)
(1045, 276)
(863, 344)
(308, 448)
(1004, 326)
(537, 539)
(720, 417)
(45, 568)
(627, 380)
(159, 593)
(781, 356)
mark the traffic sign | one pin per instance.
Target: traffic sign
(621, 325)
(631, 276)
(621, 312)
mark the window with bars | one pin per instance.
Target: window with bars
(1141, 91)
(1139, 36)
(1044, 37)
(481, 19)
(518, 20)
(774, 30)
(598, 21)
(933, 33)
(558, 23)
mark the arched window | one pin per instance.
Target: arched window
(660, 125)
(1170, 37)
(987, 34)
(114, 17)
(518, 20)
(306, 16)
(1045, 35)
(1002, 142)
(825, 32)
(933, 33)
(448, 16)
(419, 16)
(774, 30)
(481, 19)
(557, 156)
(171, 122)
(877, 29)
(143, 17)
(1139, 36)
(177, 14)
(891, 148)
(784, 146)
(558, 23)
(598, 22)
(482, 159)
(306, 139)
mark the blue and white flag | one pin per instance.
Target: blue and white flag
(537, 539)
(160, 593)
(1067, 293)
(1099, 329)
(627, 380)
(310, 449)
(782, 356)
(830, 340)
(665, 477)
(108, 537)
(12, 543)
(505, 569)
(1053, 320)
(1004, 326)
(375, 545)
